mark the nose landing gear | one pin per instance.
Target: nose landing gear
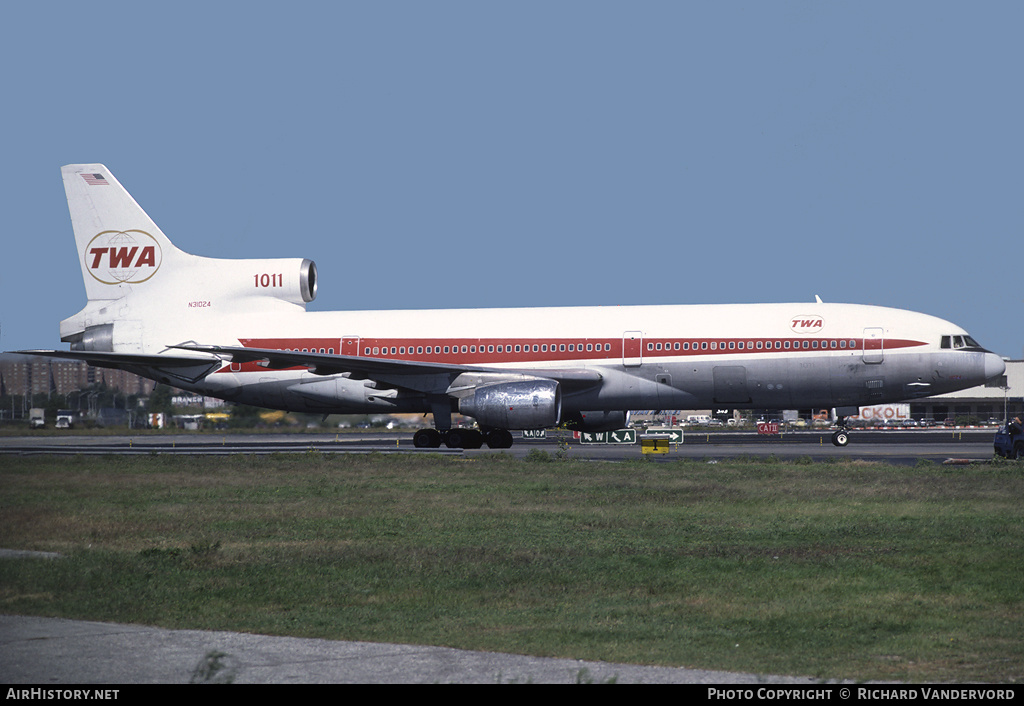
(842, 436)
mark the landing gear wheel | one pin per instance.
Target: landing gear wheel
(426, 439)
(498, 439)
(463, 439)
(841, 438)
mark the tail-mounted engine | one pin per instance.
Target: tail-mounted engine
(527, 404)
(291, 280)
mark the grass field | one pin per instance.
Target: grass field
(836, 571)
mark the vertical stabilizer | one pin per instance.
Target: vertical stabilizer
(120, 248)
(144, 293)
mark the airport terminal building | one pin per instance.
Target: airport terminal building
(1002, 398)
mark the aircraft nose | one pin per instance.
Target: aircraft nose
(994, 366)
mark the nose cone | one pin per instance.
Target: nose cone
(994, 366)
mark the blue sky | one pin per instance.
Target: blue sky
(486, 154)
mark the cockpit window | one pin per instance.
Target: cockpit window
(958, 342)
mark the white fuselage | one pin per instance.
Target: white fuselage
(771, 356)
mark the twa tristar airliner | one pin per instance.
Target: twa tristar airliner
(239, 330)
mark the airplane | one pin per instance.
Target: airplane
(239, 330)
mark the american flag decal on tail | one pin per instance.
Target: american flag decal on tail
(95, 180)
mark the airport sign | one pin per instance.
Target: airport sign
(619, 436)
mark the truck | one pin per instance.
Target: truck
(1009, 441)
(65, 418)
(37, 418)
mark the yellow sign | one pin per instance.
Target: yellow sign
(654, 446)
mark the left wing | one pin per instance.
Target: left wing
(430, 378)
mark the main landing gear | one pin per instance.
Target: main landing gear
(462, 438)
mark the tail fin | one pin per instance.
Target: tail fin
(119, 245)
(140, 287)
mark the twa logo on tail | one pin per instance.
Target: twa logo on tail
(807, 324)
(123, 256)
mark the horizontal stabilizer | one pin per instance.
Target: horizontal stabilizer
(181, 368)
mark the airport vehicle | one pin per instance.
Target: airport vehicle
(239, 330)
(65, 419)
(1009, 442)
(36, 418)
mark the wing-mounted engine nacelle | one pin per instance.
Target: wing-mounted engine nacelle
(527, 404)
(596, 421)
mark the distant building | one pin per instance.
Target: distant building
(989, 401)
(30, 375)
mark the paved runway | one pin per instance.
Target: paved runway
(49, 651)
(901, 447)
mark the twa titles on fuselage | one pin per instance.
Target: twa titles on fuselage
(239, 330)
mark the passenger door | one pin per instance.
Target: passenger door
(873, 345)
(632, 348)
